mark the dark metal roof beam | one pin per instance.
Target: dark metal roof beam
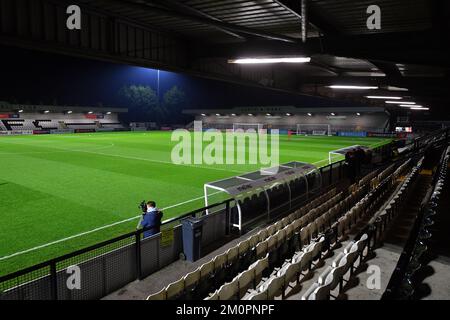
(314, 20)
(180, 7)
(208, 22)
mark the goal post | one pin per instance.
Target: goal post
(334, 156)
(314, 129)
(248, 126)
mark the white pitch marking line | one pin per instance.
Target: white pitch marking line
(91, 231)
(138, 158)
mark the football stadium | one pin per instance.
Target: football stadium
(224, 150)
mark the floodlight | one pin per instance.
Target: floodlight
(271, 60)
(401, 102)
(346, 87)
(384, 98)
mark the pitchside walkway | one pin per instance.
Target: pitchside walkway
(139, 290)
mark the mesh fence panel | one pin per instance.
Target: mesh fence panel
(34, 285)
(100, 271)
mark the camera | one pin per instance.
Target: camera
(143, 206)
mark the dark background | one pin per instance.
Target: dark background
(41, 78)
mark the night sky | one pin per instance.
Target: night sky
(36, 77)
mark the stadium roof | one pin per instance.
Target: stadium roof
(8, 107)
(199, 37)
(282, 110)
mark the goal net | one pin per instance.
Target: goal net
(246, 127)
(314, 129)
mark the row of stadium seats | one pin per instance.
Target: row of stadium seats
(345, 261)
(312, 251)
(308, 228)
(425, 239)
(53, 125)
(225, 266)
(276, 252)
(396, 203)
(276, 248)
(334, 274)
(316, 239)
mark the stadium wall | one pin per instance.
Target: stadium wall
(377, 122)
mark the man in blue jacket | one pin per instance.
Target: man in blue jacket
(151, 220)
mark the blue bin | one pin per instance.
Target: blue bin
(192, 238)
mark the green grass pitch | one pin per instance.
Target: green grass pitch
(60, 193)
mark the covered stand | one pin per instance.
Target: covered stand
(265, 193)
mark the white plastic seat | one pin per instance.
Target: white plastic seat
(361, 244)
(276, 226)
(207, 269)
(281, 237)
(309, 294)
(261, 249)
(175, 289)
(259, 267)
(274, 285)
(352, 254)
(332, 276)
(348, 247)
(253, 240)
(297, 224)
(291, 271)
(245, 281)
(213, 296)
(232, 254)
(304, 235)
(161, 295)
(243, 247)
(257, 295)
(317, 248)
(192, 278)
(289, 230)
(220, 261)
(272, 243)
(271, 230)
(307, 257)
(262, 234)
(228, 291)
